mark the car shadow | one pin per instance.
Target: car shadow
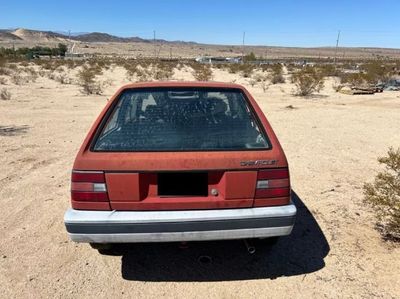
(300, 253)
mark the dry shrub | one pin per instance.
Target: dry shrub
(277, 78)
(87, 79)
(179, 66)
(143, 74)
(290, 68)
(50, 65)
(259, 77)
(307, 81)
(130, 67)
(107, 83)
(163, 70)
(12, 66)
(202, 72)
(336, 85)
(245, 69)
(265, 85)
(5, 95)
(5, 71)
(42, 73)
(262, 79)
(328, 70)
(353, 79)
(3, 81)
(24, 75)
(20, 79)
(252, 82)
(370, 74)
(101, 63)
(63, 78)
(277, 74)
(376, 72)
(144, 71)
(384, 195)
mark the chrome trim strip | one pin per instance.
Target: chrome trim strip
(183, 236)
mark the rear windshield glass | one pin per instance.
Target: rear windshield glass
(181, 120)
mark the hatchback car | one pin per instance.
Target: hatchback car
(180, 161)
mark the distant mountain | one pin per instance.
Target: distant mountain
(35, 35)
(91, 37)
(8, 36)
(105, 38)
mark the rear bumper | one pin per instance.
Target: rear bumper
(170, 226)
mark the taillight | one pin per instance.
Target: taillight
(88, 186)
(273, 184)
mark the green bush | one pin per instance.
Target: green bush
(376, 72)
(384, 195)
(250, 57)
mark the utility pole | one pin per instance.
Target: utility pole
(155, 46)
(244, 35)
(336, 49)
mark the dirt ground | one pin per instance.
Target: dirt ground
(331, 141)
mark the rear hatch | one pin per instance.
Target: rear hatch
(174, 149)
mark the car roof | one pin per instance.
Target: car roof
(183, 84)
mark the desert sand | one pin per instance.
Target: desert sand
(331, 141)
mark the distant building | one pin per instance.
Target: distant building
(216, 59)
(72, 54)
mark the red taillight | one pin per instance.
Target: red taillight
(88, 176)
(89, 196)
(273, 183)
(88, 186)
(272, 174)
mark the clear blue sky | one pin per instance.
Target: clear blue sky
(270, 22)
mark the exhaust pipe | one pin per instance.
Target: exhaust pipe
(251, 249)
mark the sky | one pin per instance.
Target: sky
(306, 23)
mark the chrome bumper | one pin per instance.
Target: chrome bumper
(171, 226)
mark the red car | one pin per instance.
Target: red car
(180, 161)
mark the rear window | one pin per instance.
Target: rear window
(181, 119)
